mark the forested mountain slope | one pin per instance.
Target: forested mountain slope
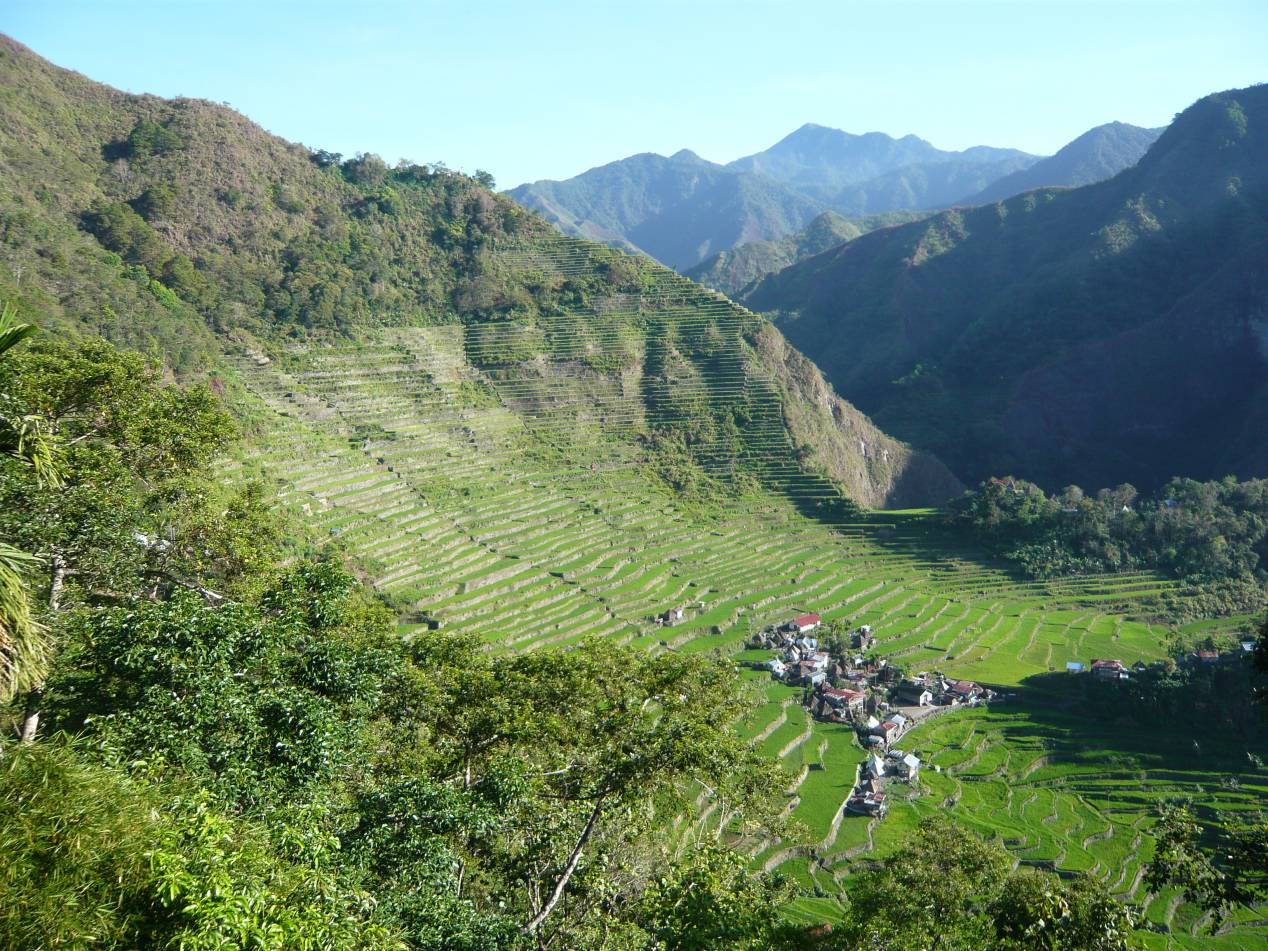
(1096, 155)
(183, 226)
(684, 209)
(1106, 333)
(732, 271)
(678, 209)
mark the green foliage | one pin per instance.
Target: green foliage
(1205, 532)
(711, 900)
(949, 889)
(94, 858)
(152, 138)
(1231, 872)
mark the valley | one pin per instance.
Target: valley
(486, 479)
(388, 562)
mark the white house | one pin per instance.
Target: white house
(805, 623)
(909, 766)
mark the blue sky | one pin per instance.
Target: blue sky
(546, 90)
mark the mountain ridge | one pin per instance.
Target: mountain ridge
(1041, 335)
(180, 227)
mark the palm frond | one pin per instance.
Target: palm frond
(24, 646)
(11, 332)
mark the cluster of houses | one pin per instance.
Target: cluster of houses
(801, 661)
(868, 797)
(1114, 669)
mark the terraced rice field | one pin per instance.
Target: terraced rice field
(494, 479)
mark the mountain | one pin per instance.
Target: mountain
(875, 173)
(732, 271)
(1108, 333)
(678, 210)
(683, 209)
(1097, 154)
(180, 227)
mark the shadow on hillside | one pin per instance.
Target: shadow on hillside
(925, 535)
(1189, 729)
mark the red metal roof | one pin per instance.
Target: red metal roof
(804, 620)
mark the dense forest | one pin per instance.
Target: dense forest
(1208, 533)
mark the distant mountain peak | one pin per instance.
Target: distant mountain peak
(685, 155)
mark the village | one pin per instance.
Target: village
(844, 682)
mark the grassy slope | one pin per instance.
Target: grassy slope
(1099, 334)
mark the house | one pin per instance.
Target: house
(804, 623)
(820, 659)
(913, 694)
(867, 804)
(777, 667)
(862, 638)
(1109, 670)
(964, 691)
(899, 721)
(1208, 657)
(1074, 666)
(887, 731)
(672, 617)
(844, 698)
(874, 765)
(871, 786)
(909, 766)
(805, 672)
(1248, 646)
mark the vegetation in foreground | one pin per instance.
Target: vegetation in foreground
(255, 754)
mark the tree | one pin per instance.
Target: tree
(607, 742)
(949, 889)
(711, 900)
(1038, 911)
(150, 865)
(1234, 872)
(129, 450)
(23, 645)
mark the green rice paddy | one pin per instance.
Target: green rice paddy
(493, 479)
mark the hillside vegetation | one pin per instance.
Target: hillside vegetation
(182, 226)
(1096, 155)
(733, 271)
(1105, 334)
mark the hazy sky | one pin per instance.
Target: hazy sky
(545, 90)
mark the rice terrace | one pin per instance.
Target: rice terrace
(457, 464)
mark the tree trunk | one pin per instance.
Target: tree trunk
(57, 583)
(558, 891)
(31, 720)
